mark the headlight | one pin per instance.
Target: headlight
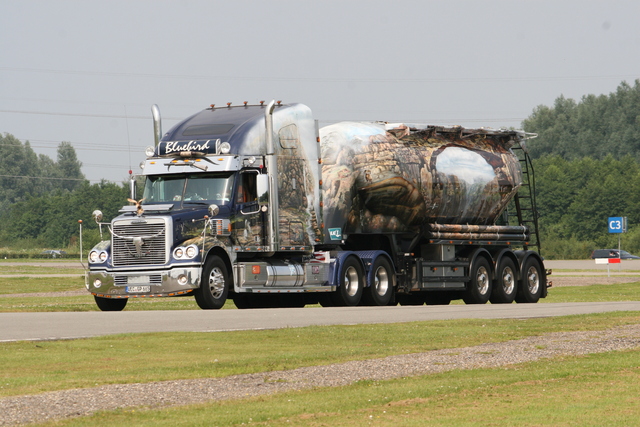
(98, 256)
(191, 251)
(178, 252)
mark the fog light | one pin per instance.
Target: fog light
(97, 283)
(182, 280)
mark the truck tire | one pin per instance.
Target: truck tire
(505, 285)
(381, 281)
(530, 289)
(351, 283)
(479, 287)
(214, 285)
(111, 304)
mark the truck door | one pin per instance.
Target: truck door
(248, 224)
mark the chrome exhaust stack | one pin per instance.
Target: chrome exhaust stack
(157, 124)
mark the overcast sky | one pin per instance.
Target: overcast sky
(88, 72)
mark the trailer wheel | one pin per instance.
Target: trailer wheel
(505, 285)
(381, 280)
(530, 288)
(214, 285)
(111, 304)
(479, 288)
(351, 283)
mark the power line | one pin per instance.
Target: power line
(43, 177)
(322, 79)
(507, 119)
(101, 116)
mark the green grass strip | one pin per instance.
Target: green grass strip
(591, 390)
(34, 367)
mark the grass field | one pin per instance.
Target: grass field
(594, 390)
(563, 391)
(599, 389)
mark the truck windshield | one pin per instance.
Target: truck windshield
(189, 188)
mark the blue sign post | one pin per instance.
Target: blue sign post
(617, 224)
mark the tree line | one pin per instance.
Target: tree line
(41, 200)
(586, 160)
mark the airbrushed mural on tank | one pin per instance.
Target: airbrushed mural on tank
(396, 180)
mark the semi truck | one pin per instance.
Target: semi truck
(259, 205)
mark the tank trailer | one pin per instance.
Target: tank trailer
(257, 204)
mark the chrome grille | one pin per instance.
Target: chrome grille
(135, 242)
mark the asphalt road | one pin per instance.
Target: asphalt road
(70, 325)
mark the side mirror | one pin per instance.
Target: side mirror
(262, 186)
(214, 210)
(97, 215)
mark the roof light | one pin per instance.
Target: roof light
(225, 147)
(150, 151)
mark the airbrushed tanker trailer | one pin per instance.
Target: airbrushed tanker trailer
(256, 204)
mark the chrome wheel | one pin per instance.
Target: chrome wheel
(479, 288)
(530, 289)
(508, 280)
(482, 280)
(533, 280)
(381, 281)
(216, 283)
(351, 281)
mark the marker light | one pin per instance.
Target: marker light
(225, 147)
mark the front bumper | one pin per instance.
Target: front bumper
(143, 284)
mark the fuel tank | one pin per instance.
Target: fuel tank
(379, 177)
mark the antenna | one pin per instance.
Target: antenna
(126, 117)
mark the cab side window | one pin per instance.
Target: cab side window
(246, 191)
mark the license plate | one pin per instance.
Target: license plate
(138, 289)
(138, 280)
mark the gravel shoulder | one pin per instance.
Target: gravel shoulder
(79, 402)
